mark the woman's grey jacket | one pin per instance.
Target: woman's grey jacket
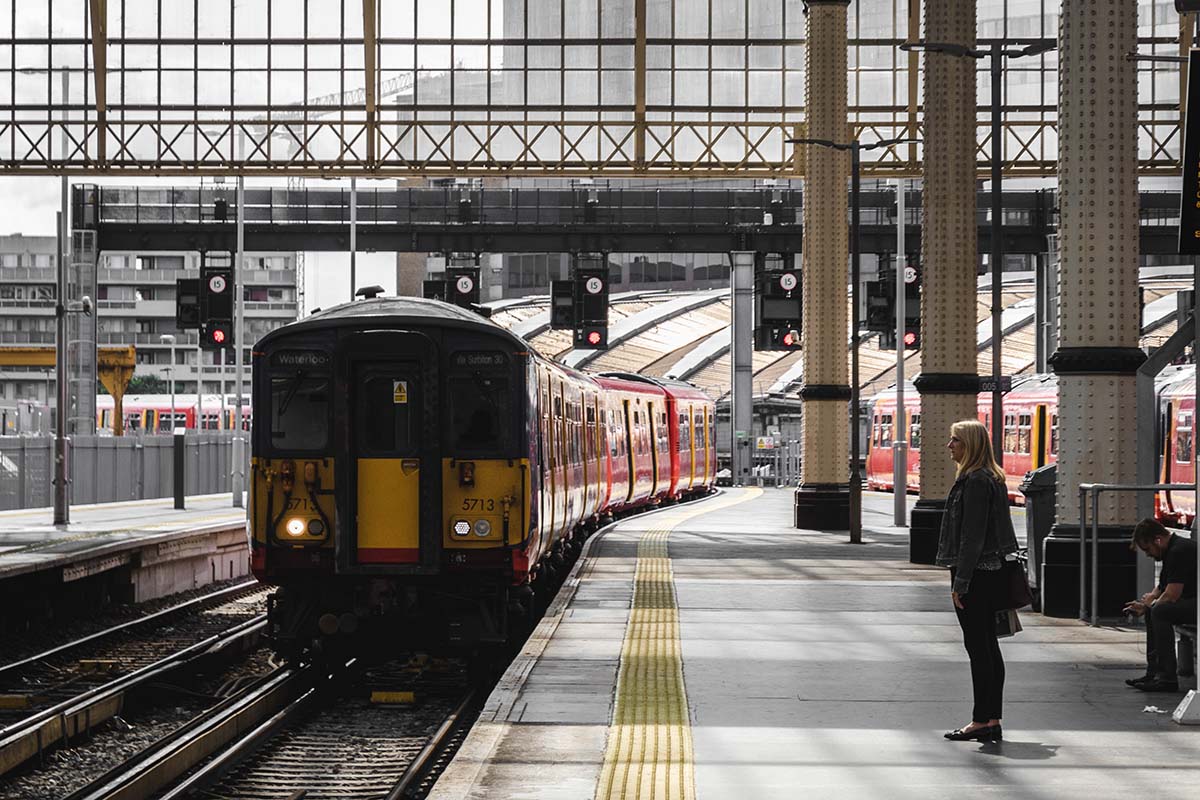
(977, 526)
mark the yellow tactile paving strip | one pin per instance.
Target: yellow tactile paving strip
(649, 751)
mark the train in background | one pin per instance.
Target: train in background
(152, 412)
(421, 477)
(1030, 436)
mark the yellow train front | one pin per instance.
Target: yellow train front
(391, 484)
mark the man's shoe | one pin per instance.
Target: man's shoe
(1157, 685)
(1134, 682)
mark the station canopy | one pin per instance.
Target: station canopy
(686, 335)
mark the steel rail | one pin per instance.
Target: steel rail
(52, 726)
(125, 626)
(417, 767)
(275, 699)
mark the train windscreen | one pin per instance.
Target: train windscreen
(300, 411)
(478, 413)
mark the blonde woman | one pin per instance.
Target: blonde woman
(976, 535)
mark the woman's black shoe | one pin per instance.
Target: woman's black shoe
(988, 733)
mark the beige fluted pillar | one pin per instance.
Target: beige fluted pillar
(1098, 355)
(822, 501)
(949, 253)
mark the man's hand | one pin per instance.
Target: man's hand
(1136, 607)
(958, 603)
(1149, 597)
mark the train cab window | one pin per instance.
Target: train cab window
(478, 410)
(914, 435)
(384, 425)
(299, 411)
(1024, 434)
(885, 430)
(1183, 438)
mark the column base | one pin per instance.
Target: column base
(924, 528)
(823, 507)
(1059, 581)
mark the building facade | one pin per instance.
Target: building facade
(135, 305)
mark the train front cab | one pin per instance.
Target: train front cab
(390, 483)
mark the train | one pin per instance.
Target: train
(152, 412)
(420, 476)
(1030, 436)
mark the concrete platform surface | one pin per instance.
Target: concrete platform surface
(30, 542)
(713, 651)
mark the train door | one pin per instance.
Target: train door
(546, 454)
(652, 427)
(389, 382)
(1039, 437)
(709, 474)
(630, 444)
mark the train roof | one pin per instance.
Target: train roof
(393, 310)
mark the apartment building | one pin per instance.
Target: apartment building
(135, 305)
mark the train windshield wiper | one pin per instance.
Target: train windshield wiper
(293, 387)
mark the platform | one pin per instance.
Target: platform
(761, 661)
(161, 550)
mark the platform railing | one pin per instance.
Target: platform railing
(1092, 614)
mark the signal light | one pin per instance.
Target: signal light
(218, 336)
(912, 339)
(591, 337)
(791, 339)
(594, 338)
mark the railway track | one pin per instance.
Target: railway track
(54, 696)
(355, 732)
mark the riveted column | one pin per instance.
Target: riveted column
(1098, 326)
(948, 381)
(823, 499)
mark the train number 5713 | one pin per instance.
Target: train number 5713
(478, 504)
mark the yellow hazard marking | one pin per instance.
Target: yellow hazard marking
(399, 392)
(649, 751)
(392, 698)
(13, 701)
(99, 665)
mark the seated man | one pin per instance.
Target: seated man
(1171, 602)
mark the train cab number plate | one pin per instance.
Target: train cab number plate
(300, 504)
(478, 504)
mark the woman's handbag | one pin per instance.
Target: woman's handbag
(1015, 591)
(1007, 624)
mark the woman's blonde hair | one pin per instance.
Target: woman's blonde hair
(978, 453)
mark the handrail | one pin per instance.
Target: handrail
(1095, 489)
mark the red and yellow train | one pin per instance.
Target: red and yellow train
(421, 473)
(1030, 436)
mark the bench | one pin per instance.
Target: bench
(1187, 649)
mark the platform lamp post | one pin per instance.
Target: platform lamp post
(997, 53)
(169, 338)
(855, 147)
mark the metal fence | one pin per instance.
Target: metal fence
(106, 469)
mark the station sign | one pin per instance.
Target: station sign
(987, 383)
(1189, 211)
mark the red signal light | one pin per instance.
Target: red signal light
(787, 339)
(593, 337)
(910, 338)
(218, 336)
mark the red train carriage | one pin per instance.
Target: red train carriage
(1030, 433)
(1177, 415)
(417, 470)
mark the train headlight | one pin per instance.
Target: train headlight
(316, 527)
(482, 527)
(462, 528)
(296, 527)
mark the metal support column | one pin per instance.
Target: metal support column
(353, 238)
(900, 438)
(949, 254)
(996, 257)
(62, 444)
(823, 500)
(741, 395)
(1099, 326)
(238, 481)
